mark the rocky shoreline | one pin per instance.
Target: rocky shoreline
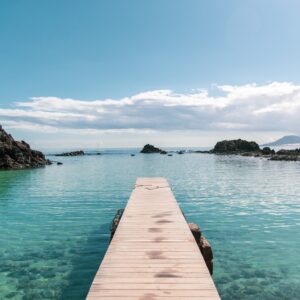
(18, 155)
(252, 149)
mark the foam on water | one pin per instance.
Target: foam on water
(55, 221)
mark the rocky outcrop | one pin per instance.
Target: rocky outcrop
(235, 147)
(115, 222)
(294, 152)
(73, 153)
(267, 151)
(287, 155)
(203, 245)
(18, 155)
(150, 149)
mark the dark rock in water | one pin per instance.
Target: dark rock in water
(207, 253)
(132, 154)
(203, 245)
(287, 155)
(196, 231)
(163, 152)
(18, 155)
(288, 152)
(73, 153)
(115, 222)
(59, 163)
(267, 151)
(150, 149)
(201, 151)
(235, 147)
(180, 152)
(170, 154)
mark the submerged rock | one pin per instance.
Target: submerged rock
(150, 149)
(72, 153)
(18, 155)
(235, 147)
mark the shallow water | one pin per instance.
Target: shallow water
(55, 221)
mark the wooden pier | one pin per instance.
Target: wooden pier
(153, 254)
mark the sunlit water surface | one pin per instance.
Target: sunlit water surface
(54, 221)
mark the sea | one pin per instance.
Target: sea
(55, 221)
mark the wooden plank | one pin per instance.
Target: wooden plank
(153, 254)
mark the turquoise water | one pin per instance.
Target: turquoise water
(54, 221)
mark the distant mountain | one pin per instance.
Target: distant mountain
(286, 140)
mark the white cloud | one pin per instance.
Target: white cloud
(273, 106)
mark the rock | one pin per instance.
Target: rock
(248, 154)
(132, 154)
(201, 151)
(115, 222)
(206, 248)
(150, 149)
(18, 155)
(163, 152)
(294, 152)
(180, 152)
(196, 231)
(285, 157)
(59, 163)
(203, 245)
(267, 151)
(72, 153)
(170, 154)
(235, 147)
(207, 253)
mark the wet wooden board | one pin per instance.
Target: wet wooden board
(153, 254)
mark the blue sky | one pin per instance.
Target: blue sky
(91, 51)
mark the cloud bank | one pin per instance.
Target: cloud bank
(271, 107)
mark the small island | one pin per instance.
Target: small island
(147, 149)
(18, 155)
(72, 153)
(246, 148)
(235, 147)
